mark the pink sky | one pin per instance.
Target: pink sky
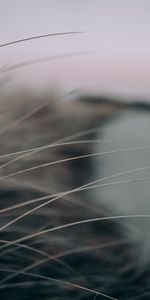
(117, 38)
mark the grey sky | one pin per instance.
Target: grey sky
(117, 36)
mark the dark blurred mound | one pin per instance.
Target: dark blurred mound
(46, 145)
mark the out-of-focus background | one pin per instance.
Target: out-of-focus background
(115, 45)
(110, 56)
